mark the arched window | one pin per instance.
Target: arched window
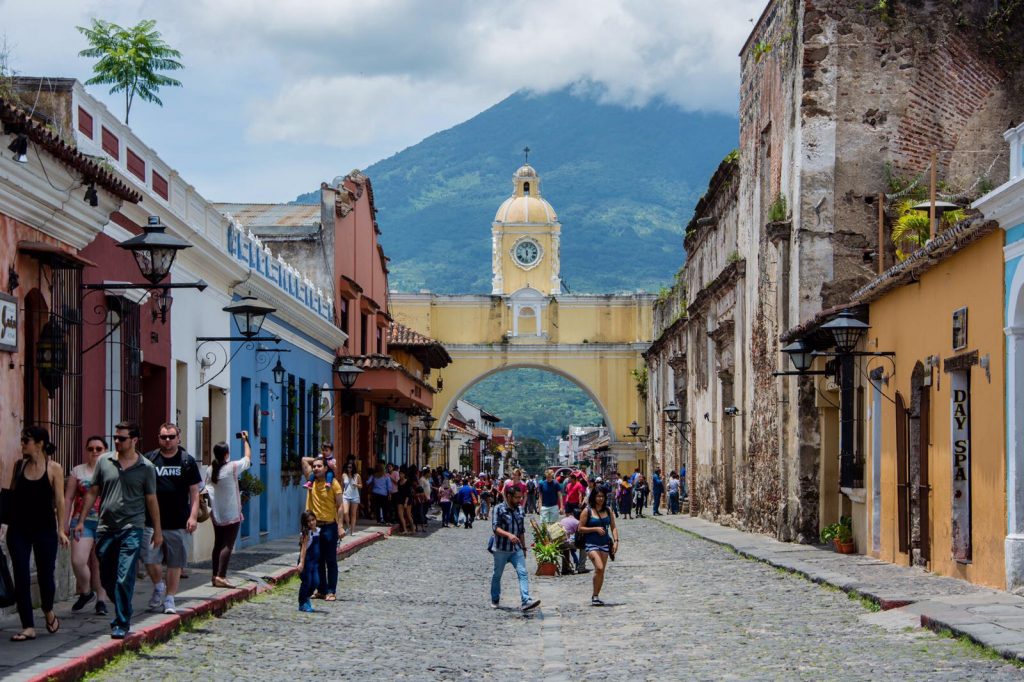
(526, 188)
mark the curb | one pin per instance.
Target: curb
(76, 668)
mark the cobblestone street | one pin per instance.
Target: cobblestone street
(677, 607)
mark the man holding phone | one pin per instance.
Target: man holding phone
(126, 484)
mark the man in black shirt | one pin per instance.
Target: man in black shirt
(177, 492)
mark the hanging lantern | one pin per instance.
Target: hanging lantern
(51, 356)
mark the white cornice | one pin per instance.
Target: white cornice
(294, 313)
(543, 350)
(288, 335)
(1004, 204)
(1013, 250)
(26, 196)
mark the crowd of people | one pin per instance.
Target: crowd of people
(118, 506)
(121, 505)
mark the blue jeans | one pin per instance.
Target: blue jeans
(446, 512)
(518, 561)
(657, 501)
(673, 503)
(118, 554)
(310, 575)
(327, 566)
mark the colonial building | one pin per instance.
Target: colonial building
(842, 110)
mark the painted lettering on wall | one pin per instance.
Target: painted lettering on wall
(960, 430)
(8, 323)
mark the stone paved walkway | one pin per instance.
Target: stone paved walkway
(679, 607)
(84, 638)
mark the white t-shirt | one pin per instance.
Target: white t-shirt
(225, 497)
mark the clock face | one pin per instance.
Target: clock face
(527, 252)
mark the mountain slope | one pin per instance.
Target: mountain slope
(623, 181)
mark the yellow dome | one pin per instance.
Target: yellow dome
(525, 209)
(526, 171)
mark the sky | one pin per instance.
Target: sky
(279, 95)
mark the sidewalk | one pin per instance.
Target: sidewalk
(83, 643)
(992, 618)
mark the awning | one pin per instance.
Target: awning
(50, 253)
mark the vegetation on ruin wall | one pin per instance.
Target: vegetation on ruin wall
(997, 27)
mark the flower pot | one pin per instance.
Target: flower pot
(845, 547)
(547, 569)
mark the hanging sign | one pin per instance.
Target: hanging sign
(960, 424)
(8, 323)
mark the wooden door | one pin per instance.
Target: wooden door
(902, 482)
(924, 487)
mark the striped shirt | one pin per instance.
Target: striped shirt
(508, 519)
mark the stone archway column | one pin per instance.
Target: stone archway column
(1014, 544)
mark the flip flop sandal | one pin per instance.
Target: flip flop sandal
(52, 626)
(330, 597)
(22, 637)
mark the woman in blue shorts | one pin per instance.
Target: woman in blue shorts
(601, 538)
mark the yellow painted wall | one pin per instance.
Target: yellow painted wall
(915, 321)
(473, 328)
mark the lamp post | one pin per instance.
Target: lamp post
(845, 331)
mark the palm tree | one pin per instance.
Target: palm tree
(130, 59)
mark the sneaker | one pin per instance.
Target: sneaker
(531, 605)
(169, 605)
(595, 601)
(101, 608)
(494, 604)
(157, 599)
(306, 607)
(583, 570)
(118, 633)
(308, 484)
(82, 600)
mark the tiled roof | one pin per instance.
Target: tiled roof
(428, 351)
(17, 120)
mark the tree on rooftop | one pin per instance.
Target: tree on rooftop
(130, 60)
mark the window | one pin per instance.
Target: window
(363, 333)
(526, 188)
(136, 165)
(111, 145)
(84, 122)
(303, 415)
(380, 341)
(343, 314)
(160, 185)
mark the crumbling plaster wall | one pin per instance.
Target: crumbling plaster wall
(831, 94)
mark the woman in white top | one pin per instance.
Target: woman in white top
(351, 484)
(226, 505)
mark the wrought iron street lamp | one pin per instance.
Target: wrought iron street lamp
(348, 373)
(278, 372)
(671, 412)
(154, 250)
(846, 331)
(249, 314)
(51, 355)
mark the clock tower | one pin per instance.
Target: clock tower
(525, 238)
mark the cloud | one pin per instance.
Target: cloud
(359, 80)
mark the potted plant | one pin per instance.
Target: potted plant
(546, 550)
(840, 534)
(249, 486)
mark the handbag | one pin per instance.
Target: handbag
(204, 507)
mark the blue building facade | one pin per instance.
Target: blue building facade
(1005, 204)
(290, 420)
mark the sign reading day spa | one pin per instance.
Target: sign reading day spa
(960, 424)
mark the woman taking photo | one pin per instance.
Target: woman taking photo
(351, 485)
(226, 505)
(83, 559)
(600, 538)
(36, 487)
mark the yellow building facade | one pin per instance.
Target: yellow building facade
(595, 341)
(934, 427)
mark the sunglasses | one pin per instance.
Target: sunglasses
(94, 449)
(121, 439)
(166, 437)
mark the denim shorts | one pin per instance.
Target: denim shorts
(89, 531)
